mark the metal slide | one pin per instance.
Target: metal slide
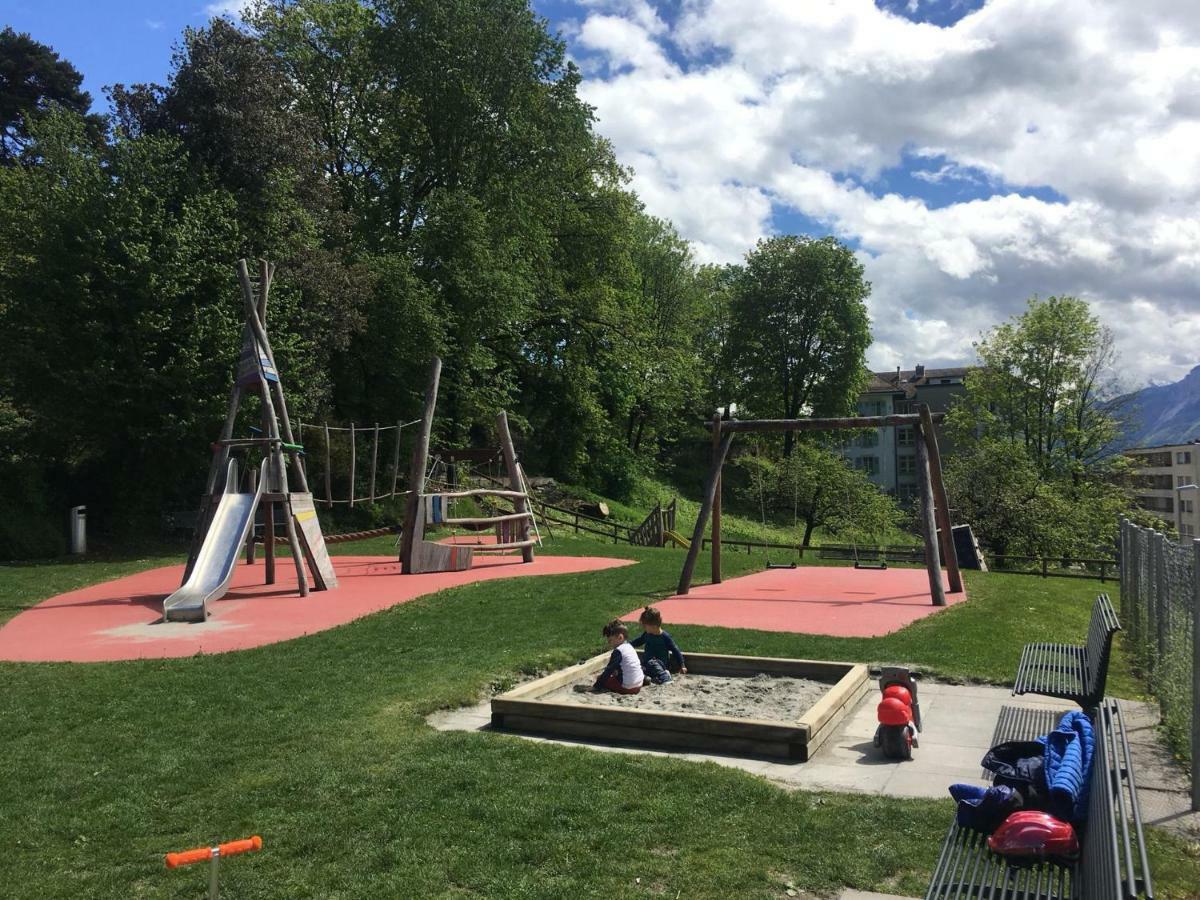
(223, 542)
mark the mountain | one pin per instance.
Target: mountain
(1161, 414)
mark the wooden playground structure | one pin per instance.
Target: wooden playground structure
(514, 531)
(934, 511)
(227, 514)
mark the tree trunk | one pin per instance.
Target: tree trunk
(809, 527)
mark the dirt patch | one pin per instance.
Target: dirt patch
(770, 697)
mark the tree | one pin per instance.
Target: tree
(32, 79)
(815, 488)
(666, 368)
(1042, 385)
(1030, 471)
(799, 329)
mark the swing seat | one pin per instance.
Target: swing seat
(881, 564)
(772, 565)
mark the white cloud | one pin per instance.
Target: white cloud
(154, 24)
(231, 8)
(736, 105)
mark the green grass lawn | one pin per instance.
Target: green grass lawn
(320, 745)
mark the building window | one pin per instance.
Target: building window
(906, 464)
(1187, 530)
(871, 408)
(1181, 480)
(1157, 504)
(867, 464)
(866, 439)
(1187, 506)
(906, 493)
(905, 436)
(905, 407)
(1152, 460)
(1183, 457)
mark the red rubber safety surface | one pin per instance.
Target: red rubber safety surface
(122, 619)
(844, 602)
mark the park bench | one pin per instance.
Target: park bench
(1072, 672)
(1112, 863)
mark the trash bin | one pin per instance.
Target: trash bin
(78, 529)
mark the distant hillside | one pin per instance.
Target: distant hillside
(1162, 414)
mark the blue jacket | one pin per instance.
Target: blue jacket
(1070, 749)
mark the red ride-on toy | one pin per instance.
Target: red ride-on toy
(899, 713)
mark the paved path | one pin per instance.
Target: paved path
(959, 723)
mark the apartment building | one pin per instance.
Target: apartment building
(888, 456)
(1166, 482)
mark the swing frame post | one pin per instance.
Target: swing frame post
(724, 431)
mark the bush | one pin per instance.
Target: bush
(30, 528)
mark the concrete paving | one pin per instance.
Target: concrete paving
(959, 722)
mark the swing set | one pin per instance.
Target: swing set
(934, 510)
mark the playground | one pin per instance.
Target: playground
(289, 698)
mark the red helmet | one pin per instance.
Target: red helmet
(893, 711)
(900, 692)
(1037, 834)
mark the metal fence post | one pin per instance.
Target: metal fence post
(1160, 578)
(1196, 675)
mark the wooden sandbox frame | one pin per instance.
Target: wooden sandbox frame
(522, 709)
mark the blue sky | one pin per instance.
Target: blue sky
(972, 153)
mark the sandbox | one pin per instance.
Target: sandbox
(775, 720)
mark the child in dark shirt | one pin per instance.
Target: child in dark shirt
(662, 655)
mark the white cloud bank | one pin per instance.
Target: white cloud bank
(796, 104)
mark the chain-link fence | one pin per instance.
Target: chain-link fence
(1160, 607)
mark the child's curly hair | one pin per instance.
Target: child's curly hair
(616, 626)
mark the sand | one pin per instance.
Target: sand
(769, 697)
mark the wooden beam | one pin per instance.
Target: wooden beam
(940, 505)
(521, 503)
(416, 472)
(710, 489)
(937, 591)
(892, 421)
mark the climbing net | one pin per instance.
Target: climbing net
(347, 461)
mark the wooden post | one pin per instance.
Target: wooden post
(374, 460)
(328, 476)
(396, 459)
(929, 524)
(416, 471)
(520, 504)
(716, 510)
(940, 504)
(268, 509)
(1196, 675)
(353, 464)
(250, 536)
(710, 488)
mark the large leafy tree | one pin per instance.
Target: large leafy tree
(34, 78)
(799, 328)
(121, 318)
(1042, 384)
(454, 133)
(1029, 470)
